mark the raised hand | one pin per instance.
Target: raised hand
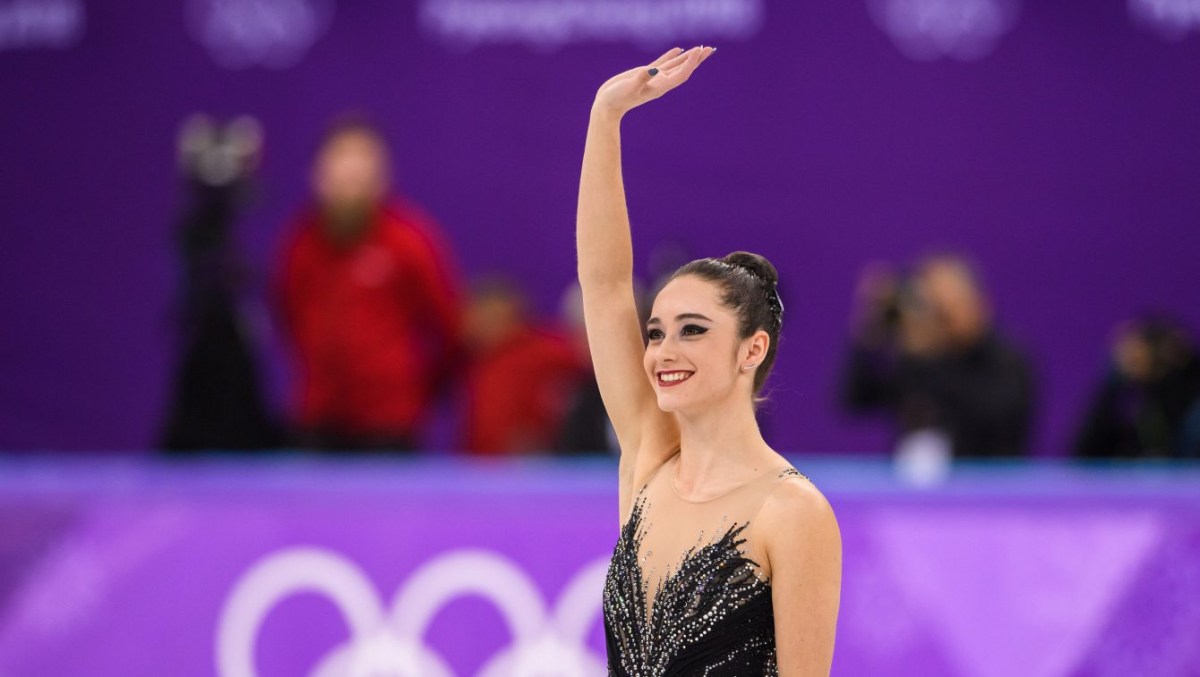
(635, 87)
(646, 434)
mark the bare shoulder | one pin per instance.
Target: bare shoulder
(796, 512)
(804, 553)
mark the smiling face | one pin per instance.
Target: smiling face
(694, 356)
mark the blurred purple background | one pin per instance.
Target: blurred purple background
(1066, 162)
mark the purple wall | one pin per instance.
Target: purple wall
(1065, 161)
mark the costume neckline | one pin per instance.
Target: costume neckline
(675, 488)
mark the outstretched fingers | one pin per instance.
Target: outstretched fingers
(678, 60)
(687, 62)
(636, 86)
(662, 60)
(643, 72)
(676, 71)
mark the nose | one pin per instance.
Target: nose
(665, 351)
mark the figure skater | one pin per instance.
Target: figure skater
(728, 560)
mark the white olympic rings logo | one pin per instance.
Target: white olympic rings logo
(391, 642)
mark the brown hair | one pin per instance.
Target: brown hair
(353, 124)
(748, 283)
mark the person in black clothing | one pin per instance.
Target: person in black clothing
(217, 401)
(1148, 404)
(925, 351)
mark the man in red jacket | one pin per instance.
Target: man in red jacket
(370, 300)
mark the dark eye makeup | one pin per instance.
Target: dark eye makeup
(656, 334)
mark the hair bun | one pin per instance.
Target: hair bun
(759, 266)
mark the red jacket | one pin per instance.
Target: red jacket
(518, 393)
(376, 326)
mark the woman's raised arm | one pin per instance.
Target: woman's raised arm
(646, 435)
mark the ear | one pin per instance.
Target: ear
(754, 348)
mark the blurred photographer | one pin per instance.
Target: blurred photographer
(217, 401)
(1148, 404)
(924, 351)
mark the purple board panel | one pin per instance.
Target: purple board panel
(293, 566)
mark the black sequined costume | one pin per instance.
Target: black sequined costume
(709, 612)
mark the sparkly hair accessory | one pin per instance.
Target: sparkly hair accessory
(770, 291)
(775, 304)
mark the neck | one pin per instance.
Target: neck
(969, 339)
(720, 446)
(346, 225)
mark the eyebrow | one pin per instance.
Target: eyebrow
(684, 316)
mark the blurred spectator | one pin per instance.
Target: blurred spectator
(217, 400)
(519, 378)
(586, 428)
(1148, 404)
(924, 351)
(371, 302)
